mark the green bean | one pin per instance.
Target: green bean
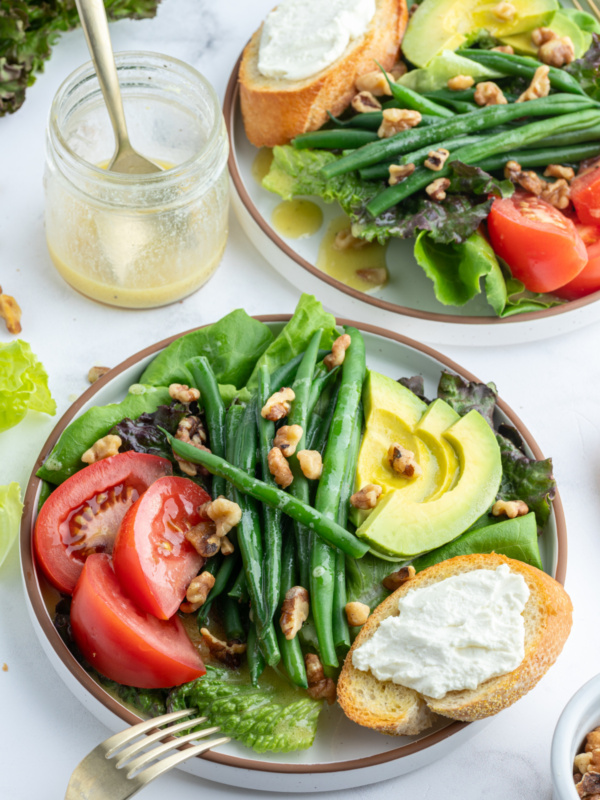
(382, 170)
(418, 102)
(523, 67)
(542, 157)
(271, 572)
(284, 375)
(291, 652)
(319, 431)
(239, 590)
(320, 384)
(479, 120)
(214, 409)
(230, 616)
(249, 534)
(371, 120)
(471, 154)
(247, 485)
(341, 633)
(256, 660)
(335, 459)
(222, 577)
(450, 100)
(591, 133)
(298, 415)
(339, 139)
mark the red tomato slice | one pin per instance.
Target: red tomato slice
(585, 194)
(153, 560)
(83, 514)
(539, 244)
(588, 280)
(124, 643)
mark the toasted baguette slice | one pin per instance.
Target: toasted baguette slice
(277, 109)
(397, 710)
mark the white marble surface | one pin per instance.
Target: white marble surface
(554, 386)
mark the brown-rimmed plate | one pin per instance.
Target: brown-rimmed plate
(406, 304)
(344, 755)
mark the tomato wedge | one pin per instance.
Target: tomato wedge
(588, 280)
(585, 194)
(539, 244)
(122, 642)
(153, 560)
(83, 514)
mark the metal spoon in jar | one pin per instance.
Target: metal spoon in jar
(95, 27)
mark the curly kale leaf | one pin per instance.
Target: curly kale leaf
(586, 70)
(143, 435)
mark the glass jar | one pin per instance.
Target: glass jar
(137, 241)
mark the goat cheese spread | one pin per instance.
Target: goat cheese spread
(302, 37)
(451, 635)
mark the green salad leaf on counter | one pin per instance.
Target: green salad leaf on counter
(11, 509)
(23, 384)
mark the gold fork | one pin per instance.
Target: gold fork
(593, 8)
(98, 778)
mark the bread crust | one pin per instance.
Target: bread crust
(548, 617)
(275, 110)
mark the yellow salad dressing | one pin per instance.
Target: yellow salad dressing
(297, 218)
(344, 265)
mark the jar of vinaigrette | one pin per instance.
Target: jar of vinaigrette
(137, 241)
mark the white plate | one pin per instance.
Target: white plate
(344, 755)
(406, 304)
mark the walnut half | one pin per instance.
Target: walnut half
(294, 611)
(105, 447)
(510, 508)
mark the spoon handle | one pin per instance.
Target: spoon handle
(95, 27)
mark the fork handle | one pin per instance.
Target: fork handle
(95, 27)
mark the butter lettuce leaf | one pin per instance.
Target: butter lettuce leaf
(364, 577)
(23, 384)
(11, 509)
(260, 718)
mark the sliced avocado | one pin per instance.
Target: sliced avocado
(437, 419)
(443, 67)
(440, 25)
(405, 528)
(563, 25)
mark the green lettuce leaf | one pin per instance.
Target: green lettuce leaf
(96, 422)
(11, 509)
(582, 19)
(443, 67)
(260, 718)
(23, 384)
(364, 577)
(231, 345)
(294, 338)
(586, 70)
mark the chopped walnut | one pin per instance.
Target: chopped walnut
(398, 70)
(95, 373)
(559, 171)
(105, 447)
(228, 652)
(403, 461)
(396, 579)
(183, 393)
(398, 172)
(542, 35)
(460, 82)
(592, 741)
(531, 182)
(279, 468)
(294, 611)
(504, 48)
(287, 438)
(582, 761)
(223, 512)
(357, 613)
(539, 86)
(199, 587)
(278, 405)
(589, 785)
(374, 82)
(512, 170)
(489, 93)
(367, 497)
(364, 102)
(558, 194)
(436, 159)
(437, 189)
(510, 508)
(344, 240)
(319, 687)
(203, 538)
(375, 275)
(311, 464)
(338, 352)
(396, 120)
(10, 312)
(227, 547)
(504, 11)
(557, 52)
(191, 431)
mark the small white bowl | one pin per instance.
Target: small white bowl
(581, 715)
